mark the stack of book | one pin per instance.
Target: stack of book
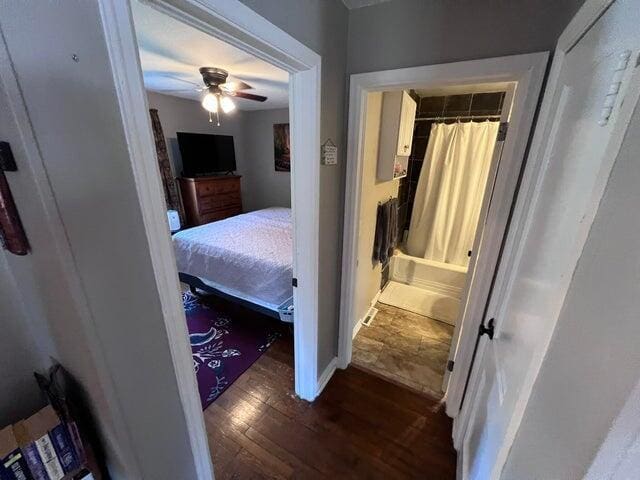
(42, 447)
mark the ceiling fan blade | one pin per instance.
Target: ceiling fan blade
(248, 96)
(174, 77)
(234, 86)
(181, 90)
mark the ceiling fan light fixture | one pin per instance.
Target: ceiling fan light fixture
(227, 105)
(210, 102)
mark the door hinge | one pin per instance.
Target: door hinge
(450, 364)
(502, 131)
(294, 282)
(488, 330)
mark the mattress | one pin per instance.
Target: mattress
(249, 256)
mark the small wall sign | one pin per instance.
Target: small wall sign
(329, 153)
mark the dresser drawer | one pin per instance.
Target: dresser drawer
(217, 202)
(220, 214)
(207, 199)
(218, 187)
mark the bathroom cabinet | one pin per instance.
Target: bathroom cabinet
(396, 135)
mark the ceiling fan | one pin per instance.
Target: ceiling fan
(218, 92)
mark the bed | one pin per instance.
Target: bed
(247, 258)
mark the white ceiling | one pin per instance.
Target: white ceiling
(351, 4)
(171, 53)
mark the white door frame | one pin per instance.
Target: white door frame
(238, 25)
(527, 71)
(535, 185)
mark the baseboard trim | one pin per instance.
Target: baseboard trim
(358, 326)
(376, 297)
(326, 375)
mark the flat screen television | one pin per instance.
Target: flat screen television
(204, 154)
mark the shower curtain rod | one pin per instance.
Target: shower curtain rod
(460, 117)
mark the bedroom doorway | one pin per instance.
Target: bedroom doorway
(220, 119)
(267, 43)
(515, 82)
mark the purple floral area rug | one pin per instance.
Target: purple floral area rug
(225, 341)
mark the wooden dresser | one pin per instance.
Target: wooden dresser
(207, 199)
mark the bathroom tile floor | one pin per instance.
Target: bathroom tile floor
(405, 348)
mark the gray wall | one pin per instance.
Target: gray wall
(182, 115)
(19, 354)
(262, 186)
(322, 26)
(265, 187)
(407, 33)
(593, 362)
(395, 34)
(81, 140)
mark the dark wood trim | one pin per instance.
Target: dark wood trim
(12, 233)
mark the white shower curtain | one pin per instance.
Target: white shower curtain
(450, 190)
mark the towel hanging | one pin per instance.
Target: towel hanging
(386, 232)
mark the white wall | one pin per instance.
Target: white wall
(593, 361)
(322, 26)
(265, 187)
(252, 131)
(408, 33)
(368, 275)
(618, 455)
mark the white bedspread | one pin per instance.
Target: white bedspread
(249, 256)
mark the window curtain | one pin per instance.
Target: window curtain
(171, 196)
(450, 191)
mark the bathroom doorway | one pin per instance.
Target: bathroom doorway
(434, 176)
(436, 197)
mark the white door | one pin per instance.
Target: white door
(578, 138)
(407, 119)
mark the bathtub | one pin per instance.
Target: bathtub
(426, 287)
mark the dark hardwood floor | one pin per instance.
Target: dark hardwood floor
(361, 427)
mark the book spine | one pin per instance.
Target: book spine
(64, 448)
(36, 467)
(49, 458)
(14, 467)
(74, 433)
